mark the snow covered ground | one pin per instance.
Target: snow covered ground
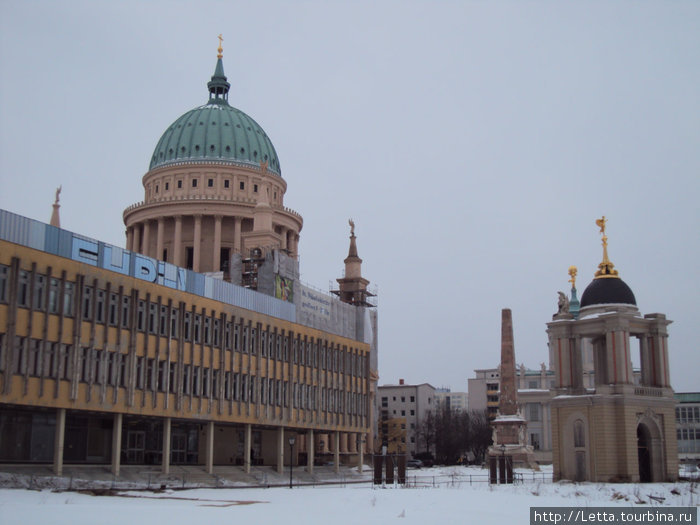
(455, 502)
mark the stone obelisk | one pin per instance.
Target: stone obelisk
(507, 403)
(509, 427)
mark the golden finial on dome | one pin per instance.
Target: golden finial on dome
(572, 273)
(221, 49)
(606, 269)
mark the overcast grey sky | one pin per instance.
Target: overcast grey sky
(473, 143)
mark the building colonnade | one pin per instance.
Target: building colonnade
(337, 443)
(168, 238)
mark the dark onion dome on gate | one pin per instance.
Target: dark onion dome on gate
(607, 287)
(216, 132)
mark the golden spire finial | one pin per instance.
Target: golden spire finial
(221, 49)
(572, 273)
(606, 269)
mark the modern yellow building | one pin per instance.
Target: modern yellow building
(132, 356)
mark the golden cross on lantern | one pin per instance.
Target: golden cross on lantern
(221, 49)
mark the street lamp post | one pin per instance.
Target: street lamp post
(502, 470)
(291, 459)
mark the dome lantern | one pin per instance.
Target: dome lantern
(607, 287)
(218, 85)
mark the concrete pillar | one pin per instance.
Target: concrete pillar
(619, 362)
(247, 442)
(361, 454)
(237, 235)
(137, 238)
(177, 243)
(210, 448)
(658, 352)
(280, 450)
(116, 443)
(577, 363)
(217, 244)
(284, 239)
(159, 238)
(645, 361)
(59, 438)
(295, 245)
(336, 452)
(352, 443)
(197, 243)
(146, 238)
(310, 449)
(344, 442)
(166, 445)
(129, 238)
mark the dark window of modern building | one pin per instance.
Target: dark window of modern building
(197, 328)
(141, 316)
(54, 293)
(207, 330)
(39, 291)
(87, 303)
(152, 318)
(100, 306)
(113, 309)
(68, 292)
(4, 272)
(23, 289)
(163, 320)
(126, 311)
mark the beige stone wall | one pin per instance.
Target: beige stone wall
(611, 424)
(217, 206)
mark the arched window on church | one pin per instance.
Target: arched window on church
(579, 437)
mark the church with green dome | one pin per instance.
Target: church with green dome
(214, 153)
(216, 132)
(197, 344)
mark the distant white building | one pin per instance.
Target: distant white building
(405, 401)
(688, 426)
(452, 400)
(533, 401)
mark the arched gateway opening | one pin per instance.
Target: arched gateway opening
(644, 453)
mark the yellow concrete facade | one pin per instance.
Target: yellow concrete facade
(87, 340)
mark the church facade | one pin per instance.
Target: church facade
(616, 430)
(197, 344)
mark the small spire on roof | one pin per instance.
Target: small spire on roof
(606, 269)
(55, 219)
(218, 86)
(574, 304)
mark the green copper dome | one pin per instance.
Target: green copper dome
(216, 132)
